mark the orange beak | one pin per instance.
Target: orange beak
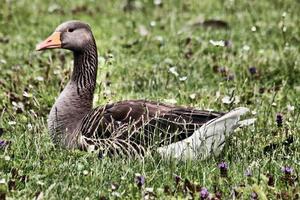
(53, 41)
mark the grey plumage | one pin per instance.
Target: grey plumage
(127, 127)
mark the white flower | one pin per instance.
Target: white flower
(290, 108)
(227, 100)
(137, 174)
(40, 183)
(283, 14)
(193, 96)
(152, 23)
(159, 38)
(284, 28)
(114, 187)
(12, 123)
(157, 2)
(253, 28)
(85, 172)
(246, 48)
(148, 189)
(116, 194)
(39, 78)
(80, 166)
(183, 78)
(173, 71)
(14, 104)
(26, 94)
(29, 126)
(143, 31)
(220, 43)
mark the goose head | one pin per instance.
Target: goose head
(71, 35)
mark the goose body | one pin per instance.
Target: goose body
(129, 127)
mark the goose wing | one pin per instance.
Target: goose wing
(138, 124)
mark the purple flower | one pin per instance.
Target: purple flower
(271, 181)
(279, 119)
(248, 172)
(228, 43)
(261, 90)
(288, 177)
(3, 144)
(230, 77)
(177, 179)
(223, 166)
(287, 170)
(223, 70)
(253, 196)
(252, 70)
(204, 193)
(139, 180)
(218, 195)
(1, 131)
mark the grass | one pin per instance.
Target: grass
(264, 34)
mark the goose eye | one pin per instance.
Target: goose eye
(70, 30)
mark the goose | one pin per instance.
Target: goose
(128, 127)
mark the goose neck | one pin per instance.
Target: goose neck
(85, 68)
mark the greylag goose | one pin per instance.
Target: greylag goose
(129, 127)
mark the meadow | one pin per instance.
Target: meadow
(208, 54)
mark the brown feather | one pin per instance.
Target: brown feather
(143, 122)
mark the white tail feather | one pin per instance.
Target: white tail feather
(247, 122)
(208, 140)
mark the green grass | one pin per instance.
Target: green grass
(138, 68)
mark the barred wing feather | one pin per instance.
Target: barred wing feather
(133, 127)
